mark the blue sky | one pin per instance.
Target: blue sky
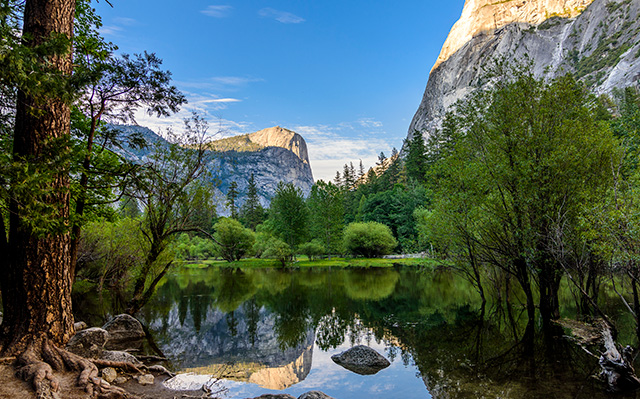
(347, 75)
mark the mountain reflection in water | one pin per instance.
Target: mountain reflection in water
(277, 328)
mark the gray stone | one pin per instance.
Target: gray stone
(124, 328)
(272, 155)
(121, 380)
(315, 395)
(146, 379)
(109, 374)
(119, 356)
(88, 342)
(361, 360)
(552, 45)
(79, 326)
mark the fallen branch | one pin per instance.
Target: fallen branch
(617, 367)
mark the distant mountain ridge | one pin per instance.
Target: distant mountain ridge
(272, 155)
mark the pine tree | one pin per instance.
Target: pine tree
(361, 170)
(252, 212)
(416, 160)
(337, 180)
(232, 195)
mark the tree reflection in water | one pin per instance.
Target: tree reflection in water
(434, 320)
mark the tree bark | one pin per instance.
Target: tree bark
(36, 284)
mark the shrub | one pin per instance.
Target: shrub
(279, 250)
(370, 239)
(313, 249)
(232, 240)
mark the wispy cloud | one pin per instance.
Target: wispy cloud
(331, 147)
(110, 30)
(281, 16)
(219, 83)
(117, 26)
(125, 21)
(369, 123)
(217, 11)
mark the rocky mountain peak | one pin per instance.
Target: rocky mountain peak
(283, 138)
(485, 15)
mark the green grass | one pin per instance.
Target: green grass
(303, 261)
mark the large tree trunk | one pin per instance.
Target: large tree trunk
(36, 281)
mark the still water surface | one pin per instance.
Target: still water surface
(274, 330)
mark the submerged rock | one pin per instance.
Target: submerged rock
(271, 396)
(361, 360)
(315, 395)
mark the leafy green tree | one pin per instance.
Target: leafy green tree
(174, 191)
(232, 239)
(289, 214)
(326, 211)
(279, 250)
(369, 239)
(313, 249)
(528, 155)
(252, 213)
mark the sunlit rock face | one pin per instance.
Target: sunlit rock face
(283, 377)
(272, 155)
(486, 15)
(600, 44)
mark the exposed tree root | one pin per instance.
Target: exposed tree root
(37, 363)
(129, 367)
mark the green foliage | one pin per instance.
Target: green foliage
(325, 204)
(370, 239)
(111, 253)
(415, 161)
(395, 208)
(252, 213)
(233, 241)
(527, 156)
(289, 215)
(277, 249)
(191, 248)
(313, 249)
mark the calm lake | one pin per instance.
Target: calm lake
(274, 331)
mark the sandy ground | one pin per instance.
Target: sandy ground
(13, 388)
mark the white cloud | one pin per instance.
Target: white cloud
(125, 21)
(369, 123)
(110, 30)
(330, 148)
(217, 11)
(219, 83)
(281, 16)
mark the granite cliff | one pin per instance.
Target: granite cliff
(272, 155)
(596, 40)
